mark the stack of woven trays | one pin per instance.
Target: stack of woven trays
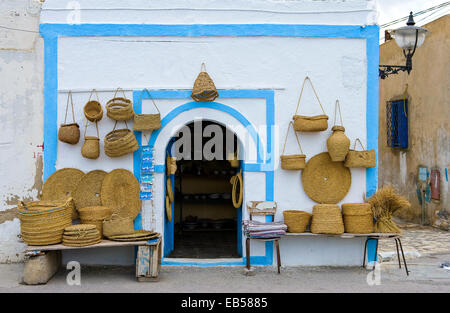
(81, 235)
(43, 222)
(327, 219)
(95, 215)
(137, 235)
(358, 218)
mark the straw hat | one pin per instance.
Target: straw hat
(325, 181)
(120, 192)
(61, 185)
(87, 192)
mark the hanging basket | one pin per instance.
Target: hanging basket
(144, 122)
(237, 198)
(93, 110)
(296, 221)
(120, 142)
(204, 88)
(119, 109)
(364, 158)
(91, 146)
(171, 163)
(338, 144)
(294, 161)
(69, 133)
(310, 123)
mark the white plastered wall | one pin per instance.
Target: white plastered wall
(337, 68)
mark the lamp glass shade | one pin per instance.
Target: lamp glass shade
(405, 37)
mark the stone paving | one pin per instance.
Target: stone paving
(417, 241)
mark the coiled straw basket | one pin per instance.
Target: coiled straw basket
(327, 219)
(43, 222)
(95, 215)
(120, 142)
(119, 109)
(358, 218)
(296, 221)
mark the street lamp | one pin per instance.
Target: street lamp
(409, 38)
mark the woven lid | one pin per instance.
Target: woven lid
(80, 227)
(61, 184)
(135, 234)
(120, 192)
(87, 192)
(325, 181)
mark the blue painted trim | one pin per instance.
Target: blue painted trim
(51, 104)
(203, 30)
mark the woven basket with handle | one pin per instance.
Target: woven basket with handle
(204, 88)
(293, 161)
(310, 123)
(119, 108)
(364, 158)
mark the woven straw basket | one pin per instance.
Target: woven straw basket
(294, 161)
(117, 225)
(91, 145)
(327, 219)
(93, 110)
(95, 215)
(43, 222)
(147, 122)
(204, 88)
(119, 109)
(69, 132)
(358, 218)
(171, 163)
(364, 158)
(120, 142)
(338, 144)
(310, 123)
(296, 221)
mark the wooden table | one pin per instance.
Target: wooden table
(148, 261)
(369, 237)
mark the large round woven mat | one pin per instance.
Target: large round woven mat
(61, 185)
(87, 192)
(326, 181)
(120, 192)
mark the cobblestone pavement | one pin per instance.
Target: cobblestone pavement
(417, 241)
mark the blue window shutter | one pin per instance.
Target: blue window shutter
(397, 124)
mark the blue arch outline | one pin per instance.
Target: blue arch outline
(268, 95)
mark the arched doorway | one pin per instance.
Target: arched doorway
(205, 224)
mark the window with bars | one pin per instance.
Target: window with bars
(397, 123)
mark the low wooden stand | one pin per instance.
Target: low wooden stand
(44, 261)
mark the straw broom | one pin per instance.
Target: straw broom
(384, 203)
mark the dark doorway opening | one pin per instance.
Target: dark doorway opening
(206, 224)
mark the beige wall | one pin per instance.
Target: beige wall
(428, 93)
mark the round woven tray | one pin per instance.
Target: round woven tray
(87, 192)
(80, 227)
(325, 181)
(120, 192)
(84, 244)
(61, 185)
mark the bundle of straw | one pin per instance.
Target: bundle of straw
(384, 203)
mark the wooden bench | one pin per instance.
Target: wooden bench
(369, 237)
(44, 261)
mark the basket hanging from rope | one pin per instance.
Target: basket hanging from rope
(204, 88)
(69, 133)
(237, 198)
(93, 110)
(310, 123)
(147, 121)
(120, 142)
(91, 145)
(293, 161)
(338, 143)
(119, 108)
(364, 158)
